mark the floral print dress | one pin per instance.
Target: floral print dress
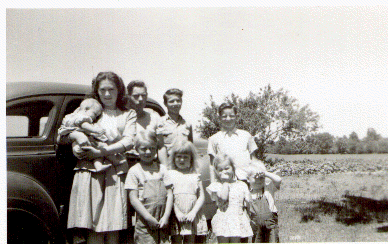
(232, 220)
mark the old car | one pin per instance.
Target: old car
(39, 171)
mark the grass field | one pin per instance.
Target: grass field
(338, 207)
(343, 207)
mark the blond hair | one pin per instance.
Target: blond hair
(221, 158)
(145, 136)
(182, 145)
(92, 104)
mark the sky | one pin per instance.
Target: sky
(335, 59)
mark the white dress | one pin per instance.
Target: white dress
(98, 200)
(186, 192)
(232, 221)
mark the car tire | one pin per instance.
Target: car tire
(23, 227)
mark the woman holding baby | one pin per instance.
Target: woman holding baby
(98, 201)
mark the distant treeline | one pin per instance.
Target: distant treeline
(325, 143)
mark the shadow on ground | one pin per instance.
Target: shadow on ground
(350, 210)
(382, 229)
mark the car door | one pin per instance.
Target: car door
(65, 157)
(30, 129)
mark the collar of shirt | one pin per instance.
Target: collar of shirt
(234, 131)
(180, 119)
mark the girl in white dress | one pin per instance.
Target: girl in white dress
(189, 220)
(231, 222)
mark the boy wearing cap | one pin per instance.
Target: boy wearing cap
(263, 212)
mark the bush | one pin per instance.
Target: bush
(322, 167)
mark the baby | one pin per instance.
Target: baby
(82, 119)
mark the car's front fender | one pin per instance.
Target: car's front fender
(26, 195)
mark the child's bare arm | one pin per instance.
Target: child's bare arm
(276, 179)
(198, 204)
(248, 200)
(92, 128)
(212, 169)
(140, 209)
(164, 220)
(179, 215)
(79, 137)
(162, 151)
(223, 194)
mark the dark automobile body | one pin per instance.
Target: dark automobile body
(39, 171)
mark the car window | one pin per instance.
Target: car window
(28, 119)
(73, 105)
(17, 125)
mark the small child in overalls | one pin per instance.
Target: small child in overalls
(150, 192)
(263, 212)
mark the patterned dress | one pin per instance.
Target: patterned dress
(186, 191)
(232, 221)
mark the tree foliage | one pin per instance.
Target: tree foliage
(268, 115)
(322, 143)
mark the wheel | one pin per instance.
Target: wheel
(23, 227)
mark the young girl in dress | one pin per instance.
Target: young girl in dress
(189, 197)
(83, 119)
(150, 192)
(231, 222)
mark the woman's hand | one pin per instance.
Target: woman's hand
(91, 152)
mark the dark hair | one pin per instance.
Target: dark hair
(226, 105)
(172, 91)
(121, 98)
(135, 83)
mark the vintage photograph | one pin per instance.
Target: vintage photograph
(243, 124)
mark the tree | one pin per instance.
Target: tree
(371, 135)
(353, 143)
(383, 145)
(325, 142)
(354, 137)
(267, 115)
(342, 144)
(371, 141)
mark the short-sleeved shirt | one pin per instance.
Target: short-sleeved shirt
(269, 193)
(238, 144)
(170, 130)
(137, 175)
(149, 121)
